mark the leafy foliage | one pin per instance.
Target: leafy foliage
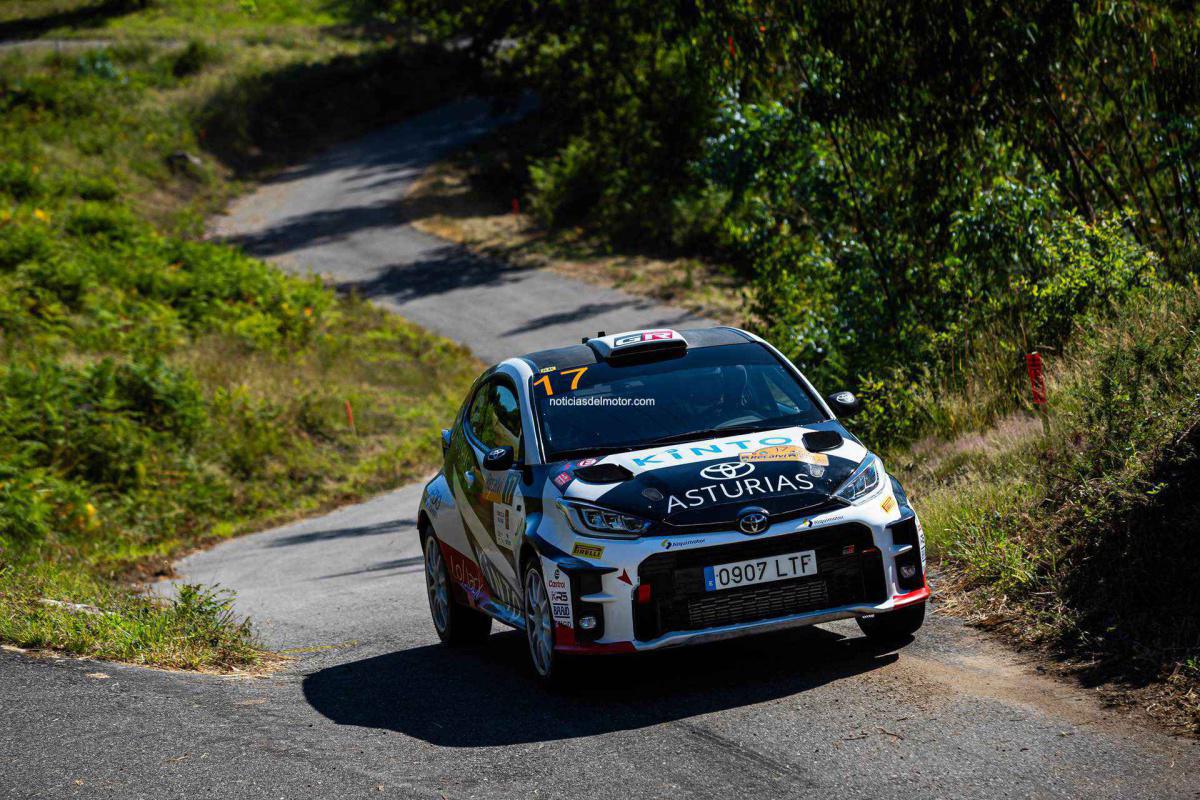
(892, 176)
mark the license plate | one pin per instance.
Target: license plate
(760, 570)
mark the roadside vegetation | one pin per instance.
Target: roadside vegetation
(159, 392)
(911, 197)
(454, 200)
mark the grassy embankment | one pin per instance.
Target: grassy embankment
(160, 392)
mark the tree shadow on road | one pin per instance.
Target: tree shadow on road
(87, 16)
(486, 696)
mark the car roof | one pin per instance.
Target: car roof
(579, 355)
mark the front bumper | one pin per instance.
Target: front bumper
(870, 561)
(735, 630)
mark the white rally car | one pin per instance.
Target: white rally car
(659, 488)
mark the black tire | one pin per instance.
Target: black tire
(894, 627)
(547, 664)
(455, 623)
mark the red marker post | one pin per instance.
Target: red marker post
(1037, 386)
(350, 419)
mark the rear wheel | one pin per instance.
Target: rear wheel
(454, 622)
(539, 624)
(894, 627)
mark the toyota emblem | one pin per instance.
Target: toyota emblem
(753, 520)
(727, 470)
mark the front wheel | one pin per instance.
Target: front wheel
(894, 627)
(539, 625)
(454, 623)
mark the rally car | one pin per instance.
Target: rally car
(658, 488)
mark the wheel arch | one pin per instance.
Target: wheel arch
(424, 526)
(527, 553)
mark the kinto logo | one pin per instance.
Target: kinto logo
(727, 470)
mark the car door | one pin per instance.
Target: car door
(496, 505)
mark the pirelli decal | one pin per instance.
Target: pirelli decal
(585, 550)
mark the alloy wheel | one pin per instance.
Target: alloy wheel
(539, 625)
(436, 584)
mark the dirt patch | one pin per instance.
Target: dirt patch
(444, 203)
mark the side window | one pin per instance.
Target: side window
(495, 416)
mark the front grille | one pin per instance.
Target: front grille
(849, 570)
(762, 602)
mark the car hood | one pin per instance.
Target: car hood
(703, 484)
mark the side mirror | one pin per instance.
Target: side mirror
(445, 441)
(499, 459)
(844, 404)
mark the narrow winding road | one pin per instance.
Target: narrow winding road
(371, 705)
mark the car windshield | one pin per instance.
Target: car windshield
(701, 393)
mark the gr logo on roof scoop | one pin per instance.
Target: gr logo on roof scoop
(727, 470)
(753, 520)
(643, 336)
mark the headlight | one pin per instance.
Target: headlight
(865, 481)
(595, 521)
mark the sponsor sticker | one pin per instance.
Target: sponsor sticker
(558, 589)
(562, 479)
(585, 462)
(510, 487)
(668, 544)
(500, 487)
(736, 487)
(687, 454)
(465, 573)
(434, 499)
(544, 370)
(889, 504)
(921, 541)
(783, 452)
(585, 550)
(643, 336)
(786, 452)
(506, 521)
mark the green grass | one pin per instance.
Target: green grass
(264, 20)
(1086, 539)
(157, 392)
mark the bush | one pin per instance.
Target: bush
(965, 370)
(194, 58)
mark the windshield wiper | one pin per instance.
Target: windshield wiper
(593, 451)
(707, 433)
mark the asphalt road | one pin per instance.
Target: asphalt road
(371, 705)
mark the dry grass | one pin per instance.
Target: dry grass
(443, 202)
(1081, 541)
